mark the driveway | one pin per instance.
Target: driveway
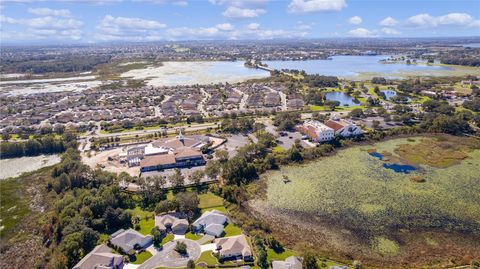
(207, 247)
(168, 257)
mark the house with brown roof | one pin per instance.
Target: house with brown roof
(234, 247)
(101, 257)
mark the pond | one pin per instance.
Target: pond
(343, 98)
(359, 67)
(389, 94)
(397, 167)
(16, 166)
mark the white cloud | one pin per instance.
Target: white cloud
(421, 20)
(304, 26)
(43, 28)
(307, 6)
(361, 32)
(451, 19)
(454, 19)
(356, 20)
(109, 22)
(225, 27)
(389, 31)
(44, 22)
(126, 28)
(239, 3)
(252, 31)
(253, 26)
(44, 11)
(389, 21)
(238, 13)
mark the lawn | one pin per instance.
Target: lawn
(146, 225)
(281, 256)
(166, 239)
(193, 236)
(232, 230)
(209, 200)
(142, 257)
(278, 149)
(207, 258)
(219, 208)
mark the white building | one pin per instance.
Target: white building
(344, 128)
(317, 131)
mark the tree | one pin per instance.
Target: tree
(309, 261)
(187, 202)
(181, 248)
(196, 177)
(222, 155)
(88, 239)
(59, 129)
(212, 169)
(6, 136)
(262, 259)
(357, 113)
(190, 264)
(157, 236)
(177, 180)
(375, 124)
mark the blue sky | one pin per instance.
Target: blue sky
(91, 21)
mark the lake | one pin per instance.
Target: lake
(190, 73)
(16, 166)
(359, 67)
(343, 98)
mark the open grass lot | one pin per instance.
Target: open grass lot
(364, 209)
(209, 200)
(232, 230)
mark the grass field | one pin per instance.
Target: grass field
(274, 256)
(449, 197)
(207, 258)
(232, 230)
(13, 205)
(209, 200)
(147, 220)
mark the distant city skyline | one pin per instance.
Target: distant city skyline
(95, 21)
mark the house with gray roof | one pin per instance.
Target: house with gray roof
(101, 257)
(211, 222)
(129, 240)
(291, 262)
(174, 222)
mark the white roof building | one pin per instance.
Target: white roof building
(211, 222)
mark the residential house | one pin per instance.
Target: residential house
(211, 222)
(130, 239)
(234, 247)
(172, 222)
(291, 262)
(101, 257)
